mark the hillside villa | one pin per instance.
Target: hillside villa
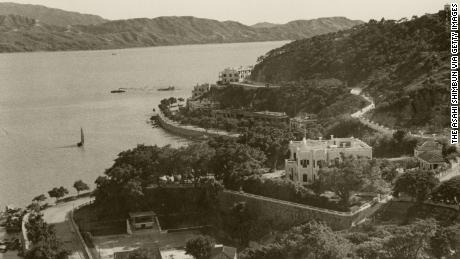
(197, 103)
(199, 90)
(308, 156)
(429, 154)
(232, 75)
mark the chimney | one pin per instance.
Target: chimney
(320, 138)
(332, 137)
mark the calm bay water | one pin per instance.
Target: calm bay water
(46, 97)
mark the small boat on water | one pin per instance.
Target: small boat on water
(82, 139)
(117, 91)
(170, 88)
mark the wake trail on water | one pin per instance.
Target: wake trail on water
(68, 146)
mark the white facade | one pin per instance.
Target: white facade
(235, 75)
(141, 220)
(244, 72)
(308, 156)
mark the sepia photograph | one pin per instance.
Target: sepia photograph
(244, 129)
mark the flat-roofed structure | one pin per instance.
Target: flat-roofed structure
(308, 156)
(142, 219)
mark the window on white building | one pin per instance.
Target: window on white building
(304, 163)
(305, 178)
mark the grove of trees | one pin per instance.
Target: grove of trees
(58, 192)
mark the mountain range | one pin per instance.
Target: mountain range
(27, 28)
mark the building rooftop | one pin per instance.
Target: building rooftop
(275, 114)
(431, 157)
(151, 253)
(223, 252)
(141, 214)
(312, 144)
(429, 145)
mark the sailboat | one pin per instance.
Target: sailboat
(82, 136)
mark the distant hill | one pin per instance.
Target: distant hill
(49, 16)
(143, 32)
(264, 25)
(403, 65)
(300, 29)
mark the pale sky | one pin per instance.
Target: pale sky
(247, 11)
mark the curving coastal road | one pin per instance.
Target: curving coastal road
(58, 216)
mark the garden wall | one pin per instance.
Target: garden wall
(289, 213)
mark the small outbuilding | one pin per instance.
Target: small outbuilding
(143, 219)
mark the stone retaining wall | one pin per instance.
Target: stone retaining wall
(186, 130)
(289, 213)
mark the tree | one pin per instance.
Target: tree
(200, 247)
(352, 175)
(315, 240)
(448, 192)
(271, 140)
(444, 242)
(42, 236)
(38, 230)
(47, 251)
(416, 183)
(172, 100)
(206, 123)
(80, 186)
(272, 251)
(39, 198)
(410, 241)
(233, 161)
(195, 160)
(370, 249)
(58, 192)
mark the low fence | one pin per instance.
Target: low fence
(291, 213)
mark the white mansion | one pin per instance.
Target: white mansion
(308, 156)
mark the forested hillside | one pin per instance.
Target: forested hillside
(328, 98)
(402, 64)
